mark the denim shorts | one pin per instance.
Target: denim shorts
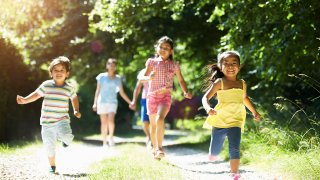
(217, 139)
(144, 115)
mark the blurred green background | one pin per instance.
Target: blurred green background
(278, 42)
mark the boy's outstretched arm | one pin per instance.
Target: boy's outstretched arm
(75, 105)
(28, 99)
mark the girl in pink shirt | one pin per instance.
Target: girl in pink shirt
(160, 71)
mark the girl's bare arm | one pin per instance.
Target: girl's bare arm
(94, 107)
(124, 95)
(247, 102)
(208, 95)
(183, 85)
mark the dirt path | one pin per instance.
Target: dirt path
(195, 165)
(32, 163)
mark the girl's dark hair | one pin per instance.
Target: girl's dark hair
(112, 61)
(164, 39)
(225, 54)
(213, 71)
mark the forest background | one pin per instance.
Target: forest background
(279, 43)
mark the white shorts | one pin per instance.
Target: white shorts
(58, 131)
(106, 108)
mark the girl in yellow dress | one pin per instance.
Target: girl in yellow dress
(227, 118)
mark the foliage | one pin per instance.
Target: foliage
(15, 79)
(138, 24)
(275, 39)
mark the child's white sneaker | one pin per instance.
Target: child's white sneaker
(111, 143)
(214, 158)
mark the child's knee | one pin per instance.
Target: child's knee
(67, 138)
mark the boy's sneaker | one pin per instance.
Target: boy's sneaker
(64, 145)
(52, 169)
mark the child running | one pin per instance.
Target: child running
(143, 112)
(160, 71)
(227, 118)
(105, 100)
(55, 120)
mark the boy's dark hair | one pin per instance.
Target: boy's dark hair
(165, 39)
(60, 60)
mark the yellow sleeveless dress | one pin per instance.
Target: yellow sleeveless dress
(231, 111)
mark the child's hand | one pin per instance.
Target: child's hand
(77, 114)
(256, 116)
(94, 107)
(152, 74)
(21, 100)
(132, 106)
(212, 112)
(187, 95)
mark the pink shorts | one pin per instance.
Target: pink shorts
(154, 100)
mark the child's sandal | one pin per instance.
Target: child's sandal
(159, 153)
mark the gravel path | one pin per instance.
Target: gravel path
(195, 165)
(72, 162)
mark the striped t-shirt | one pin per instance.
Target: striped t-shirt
(55, 105)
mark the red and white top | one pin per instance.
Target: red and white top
(164, 73)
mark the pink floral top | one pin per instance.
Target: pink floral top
(164, 73)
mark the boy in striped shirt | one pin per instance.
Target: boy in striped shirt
(55, 119)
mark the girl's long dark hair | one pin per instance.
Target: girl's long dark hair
(212, 73)
(165, 39)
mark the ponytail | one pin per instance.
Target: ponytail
(213, 72)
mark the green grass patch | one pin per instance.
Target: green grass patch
(18, 146)
(272, 158)
(134, 162)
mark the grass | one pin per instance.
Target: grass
(135, 162)
(304, 164)
(18, 146)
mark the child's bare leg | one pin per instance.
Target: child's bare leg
(162, 113)
(234, 165)
(52, 161)
(146, 129)
(153, 130)
(111, 124)
(104, 127)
